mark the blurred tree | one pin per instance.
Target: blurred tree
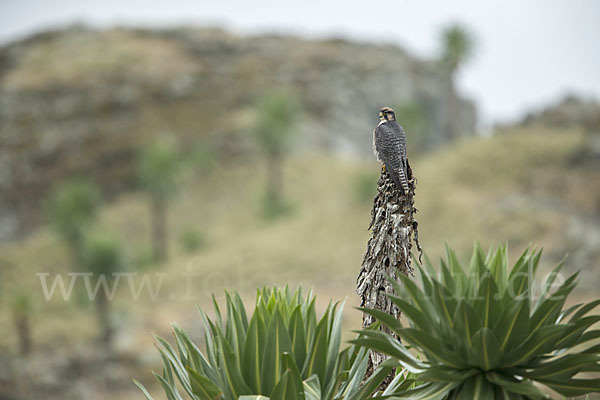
(157, 170)
(200, 159)
(458, 46)
(71, 209)
(191, 239)
(274, 128)
(103, 257)
(412, 116)
(22, 307)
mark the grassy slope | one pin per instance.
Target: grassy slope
(519, 187)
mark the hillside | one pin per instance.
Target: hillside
(82, 101)
(523, 186)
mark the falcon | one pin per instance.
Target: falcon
(389, 146)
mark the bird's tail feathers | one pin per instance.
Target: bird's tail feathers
(400, 184)
(403, 180)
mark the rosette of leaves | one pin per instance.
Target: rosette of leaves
(282, 352)
(484, 333)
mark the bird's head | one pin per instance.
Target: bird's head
(386, 114)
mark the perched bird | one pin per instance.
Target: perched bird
(389, 145)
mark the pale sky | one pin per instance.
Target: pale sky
(529, 53)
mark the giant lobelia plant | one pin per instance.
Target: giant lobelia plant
(484, 333)
(282, 352)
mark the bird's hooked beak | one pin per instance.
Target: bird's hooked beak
(382, 116)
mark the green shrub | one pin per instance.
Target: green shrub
(283, 352)
(142, 259)
(71, 209)
(22, 303)
(190, 239)
(483, 334)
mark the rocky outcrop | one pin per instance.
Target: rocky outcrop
(80, 101)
